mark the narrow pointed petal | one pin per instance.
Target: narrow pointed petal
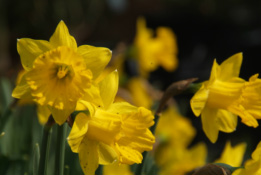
(107, 154)
(61, 115)
(208, 119)
(121, 108)
(88, 155)
(96, 58)
(199, 100)
(78, 131)
(62, 37)
(109, 88)
(30, 49)
(214, 71)
(92, 95)
(43, 114)
(230, 67)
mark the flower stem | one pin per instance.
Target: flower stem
(60, 149)
(45, 146)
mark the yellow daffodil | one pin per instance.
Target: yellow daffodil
(175, 128)
(174, 133)
(232, 156)
(186, 161)
(225, 96)
(252, 166)
(112, 132)
(155, 51)
(115, 169)
(58, 73)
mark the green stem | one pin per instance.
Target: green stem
(60, 149)
(45, 147)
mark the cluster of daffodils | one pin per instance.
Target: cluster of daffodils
(62, 78)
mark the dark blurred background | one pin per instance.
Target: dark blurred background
(205, 29)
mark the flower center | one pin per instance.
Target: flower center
(62, 71)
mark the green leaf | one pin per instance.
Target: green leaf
(4, 164)
(36, 159)
(230, 168)
(5, 93)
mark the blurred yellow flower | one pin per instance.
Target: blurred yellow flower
(139, 92)
(232, 156)
(58, 73)
(186, 161)
(175, 128)
(174, 133)
(115, 132)
(115, 169)
(155, 51)
(252, 166)
(224, 96)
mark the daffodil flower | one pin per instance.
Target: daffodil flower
(225, 96)
(114, 132)
(251, 166)
(58, 73)
(155, 51)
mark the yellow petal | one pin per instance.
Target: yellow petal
(214, 71)
(230, 67)
(43, 114)
(109, 88)
(208, 118)
(88, 155)
(92, 95)
(61, 115)
(226, 121)
(78, 131)
(104, 127)
(232, 156)
(128, 155)
(107, 154)
(22, 90)
(116, 169)
(62, 37)
(199, 100)
(121, 108)
(96, 58)
(256, 154)
(198, 154)
(83, 105)
(30, 49)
